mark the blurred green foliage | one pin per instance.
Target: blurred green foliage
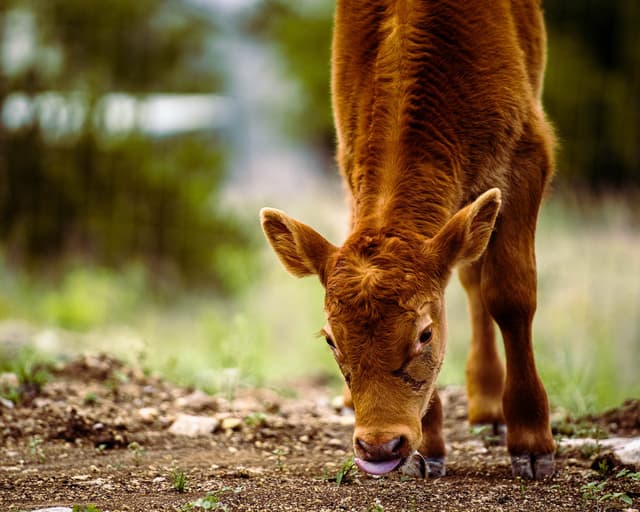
(104, 197)
(30, 368)
(141, 46)
(91, 298)
(301, 33)
(592, 89)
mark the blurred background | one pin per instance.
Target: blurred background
(138, 141)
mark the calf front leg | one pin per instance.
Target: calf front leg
(509, 290)
(432, 446)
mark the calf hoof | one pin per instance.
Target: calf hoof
(436, 467)
(417, 466)
(533, 467)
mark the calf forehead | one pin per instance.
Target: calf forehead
(373, 342)
(373, 312)
(378, 276)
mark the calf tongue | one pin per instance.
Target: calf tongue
(377, 468)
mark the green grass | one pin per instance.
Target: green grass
(179, 480)
(211, 501)
(347, 473)
(587, 328)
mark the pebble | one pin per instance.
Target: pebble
(337, 403)
(198, 401)
(193, 426)
(9, 380)
(231, 423)
(54, 509)
(40, 402)
(630, 453)
(246, 405)
(276, 422)
(148, 414)
(4, 402)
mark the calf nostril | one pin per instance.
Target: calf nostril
(394, 446)
(366, 447)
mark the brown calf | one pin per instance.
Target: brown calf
(446, 153)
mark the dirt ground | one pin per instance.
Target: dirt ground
(98, 433)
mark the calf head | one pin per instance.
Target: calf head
(385, 312)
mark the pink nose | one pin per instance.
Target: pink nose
(382, 451)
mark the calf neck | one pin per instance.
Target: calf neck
(445, 151)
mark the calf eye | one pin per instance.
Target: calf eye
(426, 335)
(330, 342)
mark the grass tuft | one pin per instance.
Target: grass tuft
(179, 480)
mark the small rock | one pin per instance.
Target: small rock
(244, 472)
(159, 479)
(54, 509)
(40, 402)
(148, 414)
(9, 380)
(231, 423)
(627, 450)
(198, 401)
(193, 426)
(246, 404)
(6, 403)
(630, 453)
(276, 422)
(337, 403)
(335, 442)
(120, 421)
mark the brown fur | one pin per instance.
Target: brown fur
(435, 102)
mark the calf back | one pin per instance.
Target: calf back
(430, 98)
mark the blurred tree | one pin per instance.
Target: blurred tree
(92, 193)
(301, 32)
(592, 90)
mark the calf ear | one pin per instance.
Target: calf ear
(466, 236)
(301, 250)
